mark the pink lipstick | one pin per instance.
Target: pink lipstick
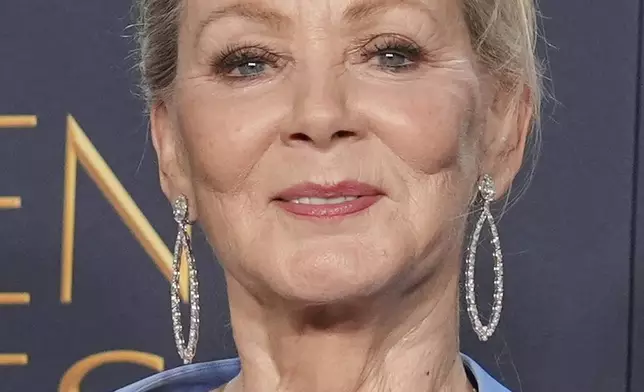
(328, 201)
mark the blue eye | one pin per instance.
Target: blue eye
(393, 60)
(393, 53)
(246, 62)
(250, 68)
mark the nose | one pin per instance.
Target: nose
(321, 114)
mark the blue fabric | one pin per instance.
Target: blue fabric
(485, 382)
(204, 377)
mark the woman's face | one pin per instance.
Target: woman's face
(329, 148)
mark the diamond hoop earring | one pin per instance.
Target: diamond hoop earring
(487, 192)
(186, 352)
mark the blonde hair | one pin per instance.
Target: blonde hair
(503, 32)
(504, 35)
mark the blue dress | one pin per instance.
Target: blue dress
(204, 377)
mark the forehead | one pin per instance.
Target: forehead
(284, 13)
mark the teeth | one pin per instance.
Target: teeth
(321, 201)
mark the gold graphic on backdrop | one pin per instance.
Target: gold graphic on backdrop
(10, 202)
(15, 298)
(15, 121)
(13, 203)
(14, 359)
(71, 380)
(18, 121)
(79, 149)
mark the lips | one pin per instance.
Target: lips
(324, 201)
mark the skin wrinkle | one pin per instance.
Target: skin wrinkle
(376, 292)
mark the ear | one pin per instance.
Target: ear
(508, 124)
(174, 170)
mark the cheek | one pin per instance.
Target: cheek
(429, 127)
(426, 123)
(225, 136)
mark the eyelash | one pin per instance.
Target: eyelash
(393, 44)
(236, 55)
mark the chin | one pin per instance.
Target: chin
(327, 275)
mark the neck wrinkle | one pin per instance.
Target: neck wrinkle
(408, 344)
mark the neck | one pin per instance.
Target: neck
(404, 343)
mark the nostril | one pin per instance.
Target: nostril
(322, 138)
(343, 134)
(301, 137)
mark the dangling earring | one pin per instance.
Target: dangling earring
(487, 192)
(186, 352)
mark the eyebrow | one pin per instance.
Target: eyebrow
(364, 9)
(251, 12)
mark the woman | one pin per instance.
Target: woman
(332, 151)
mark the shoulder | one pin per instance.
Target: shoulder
(198, 377)
(485, 382)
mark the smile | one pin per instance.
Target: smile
(323, 201)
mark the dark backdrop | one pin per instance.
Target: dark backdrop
(574, 243)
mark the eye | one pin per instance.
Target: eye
(245, 62)
(393, 60)
(249, 68)
(392, 53)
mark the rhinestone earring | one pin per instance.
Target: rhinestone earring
(487, 192)
(186, 352)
